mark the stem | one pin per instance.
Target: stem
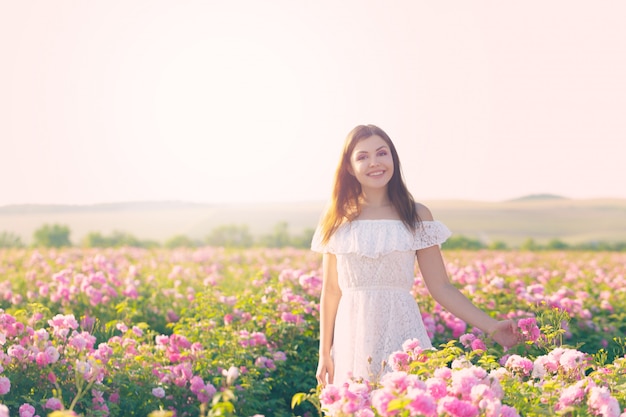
(75, 400)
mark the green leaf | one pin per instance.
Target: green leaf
(297, 399)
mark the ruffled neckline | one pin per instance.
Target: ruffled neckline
(377, 237)
(374, 220)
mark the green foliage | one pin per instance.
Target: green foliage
(557, 244)
(529, 244)
(498, 245)
(52, 236)
(96, 240)
(264, 391)
(601, 246)
(462, 242)
(115, 240)
(181, 241)
(10, 240)
(239, 236)
(230, 236)
(312, 397)
(281, 238)
(303, 240)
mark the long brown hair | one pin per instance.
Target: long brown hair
(344, 204)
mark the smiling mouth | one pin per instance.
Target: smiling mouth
(376, 174)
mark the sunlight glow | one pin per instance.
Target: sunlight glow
(237, 97)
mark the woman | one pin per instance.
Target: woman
(370, 236)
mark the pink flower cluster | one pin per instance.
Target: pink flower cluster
(311, 284)
(473, 342)
(409, 390)
(467, 390)
(352, 398)
(570, 363)
(61, 343)
(62, 325)
(449, 321)
(411, 352)
(519, 365)
(89, 281)
(175, 369)
(247, 339)
(598, 399)
(529, 329)
(66, 285)
(290, 306)
(204, 390)
(464, 390)
(177, 348)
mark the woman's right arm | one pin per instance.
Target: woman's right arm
(329, 302)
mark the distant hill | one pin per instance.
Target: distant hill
(535, 197)
(541, 217)
(120, 206)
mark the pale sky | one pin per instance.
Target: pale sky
(248, 100)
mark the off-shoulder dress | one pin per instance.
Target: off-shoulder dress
(376, 271)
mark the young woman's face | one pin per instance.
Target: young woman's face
(371, 162)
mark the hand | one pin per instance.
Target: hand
(325, 370)
(506, 333)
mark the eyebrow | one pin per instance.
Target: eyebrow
(377, 149)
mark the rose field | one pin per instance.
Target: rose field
(216, 332)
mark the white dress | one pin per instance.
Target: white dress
(376, 271)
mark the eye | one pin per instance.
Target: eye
(361, 157)
(382, 153)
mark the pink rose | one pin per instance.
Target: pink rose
(516, 363)
(27, 410)
(437, 387)
(456, 408)
(478, 344)
(53, 404)
(5, 385)
(399, 361)
(422, 404)
(329, 395)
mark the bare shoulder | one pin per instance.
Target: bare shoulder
(423, 212)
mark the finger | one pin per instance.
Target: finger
(320, 379)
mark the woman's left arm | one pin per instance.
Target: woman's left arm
(436, 278)
(433, 270)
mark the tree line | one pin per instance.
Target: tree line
(239, 236)
(230, 236)
(530, 244)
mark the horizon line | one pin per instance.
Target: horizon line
(528, 197)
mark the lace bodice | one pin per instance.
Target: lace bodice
(379, 253)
